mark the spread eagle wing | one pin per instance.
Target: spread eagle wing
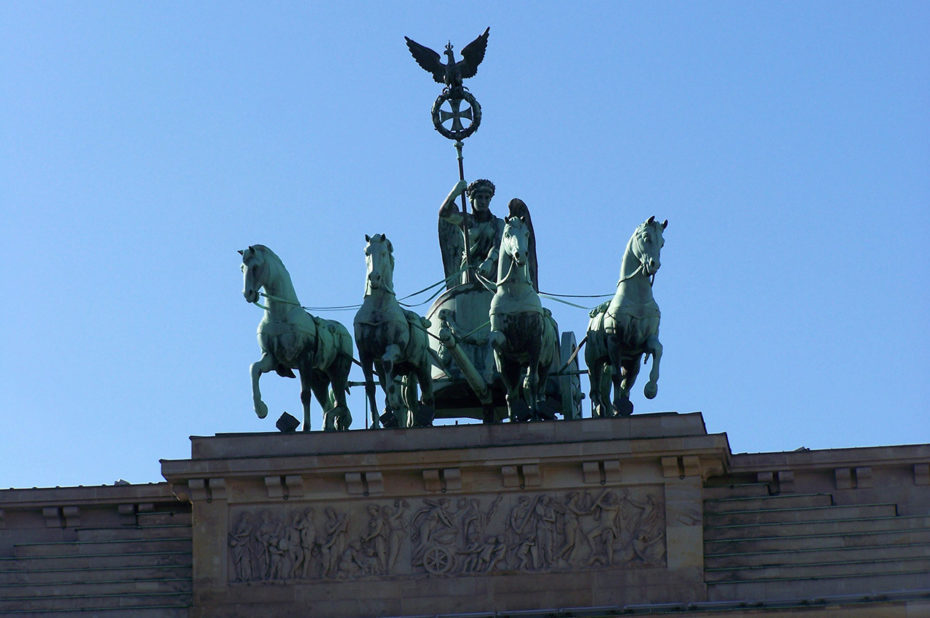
(428, 59)
(473, 54)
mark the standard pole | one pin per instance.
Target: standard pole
(465, 215)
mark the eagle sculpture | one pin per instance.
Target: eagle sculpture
(451, 73)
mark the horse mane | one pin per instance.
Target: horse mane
(266, 250)
(518, 208)
(381, 238)
(651, 223)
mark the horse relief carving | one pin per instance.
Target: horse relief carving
(467, 535)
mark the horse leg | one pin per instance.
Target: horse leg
(337, 375)
(392, 399)
(655, 348)
(607, 372)
(629, 369)
(510, 376)
(370, 388)
(595, 366)
(622, 406)
(408, 400)
(594, 379)
(263, 365)
(498, 340)
(541, 410)
(531, 384)
(307, 384)
(387, 419)
(319, 384)
(426, 412)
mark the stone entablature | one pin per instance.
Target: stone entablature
(484, 513)
(60, 510)
(899, 474)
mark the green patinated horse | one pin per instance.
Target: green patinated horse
(290, 338)
(523, 333)
(626, 327)
(392, 342)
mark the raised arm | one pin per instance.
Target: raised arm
(448, 210)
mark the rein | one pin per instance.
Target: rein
(491, 286)
(633, 274)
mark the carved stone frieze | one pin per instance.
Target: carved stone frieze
(467, 535)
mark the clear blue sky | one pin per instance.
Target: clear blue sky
(142, 144)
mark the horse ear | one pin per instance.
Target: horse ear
(241, 252)
(651, 220)
(665, 224)
(367, 238)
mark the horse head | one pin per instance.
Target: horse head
(515, 240)
(646, 245)
(255, 269)
(379, 260)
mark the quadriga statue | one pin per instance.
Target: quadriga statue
(392, 342)
(626, 327)
(290, 338)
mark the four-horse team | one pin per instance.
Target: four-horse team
(509, 359)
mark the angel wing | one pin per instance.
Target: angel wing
(428, 59)
(452, 248)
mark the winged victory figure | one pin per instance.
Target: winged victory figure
(451, 73)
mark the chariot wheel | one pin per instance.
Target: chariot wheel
(570, 383)
(437, 560)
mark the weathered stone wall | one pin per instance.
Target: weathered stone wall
(108, 550)
(810, 525)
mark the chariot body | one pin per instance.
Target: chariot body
(466, 381)
(468, 317)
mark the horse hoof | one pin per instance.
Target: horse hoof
(544, 412)
(388, 420)
(519, 412)
(650, 390)
(424, 416)
(624, 409)
(261, 410)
